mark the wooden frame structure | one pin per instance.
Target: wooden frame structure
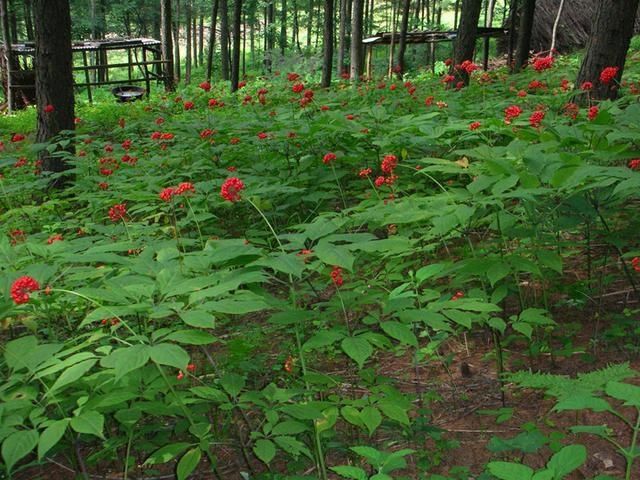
(426, 37)
(143, 53)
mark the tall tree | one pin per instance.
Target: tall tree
(224, 38)
(54, 76)
(356, 39)
(11, 62)
(235, 63)
(342, 33)
(212, 39)
(187, 61)
(166, 41)
(465, 42)
(309, 23)
(607, 47)
(28, 18)
(283, 27)
(327, 40)
(404, 25)
(176, 42)
(525, 29)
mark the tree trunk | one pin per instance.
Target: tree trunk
(342, 40)
(611, 33)
(309, 23)
(28, 18)
(187, 60)
(465, 42)
(456, 12)
(295, 35)
(224, 38)
(327, 40)
(404, 25)
(356, 40)
(201, 41)
(54, 77)
(524, 34)
(554, 32)
(176, 42)
(392, 45)
(212, 39)
(235, 63)
(194, 33)
(167, 44)
(283, 28)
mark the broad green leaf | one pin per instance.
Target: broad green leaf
(394, 412)
(169, 354)
(90, 422)
(347, 471)
(17, 446)
(127, 359)
(192, 337)
(166, 453)
(70, 375)
(400, 332)
(188, 463)
(358, 349)
(629, 394)
(567, 460)
(334, 255)
(198, 318)
(265, 450)
(232, 383)
(371, 418)
(51, 436)
(510, 471)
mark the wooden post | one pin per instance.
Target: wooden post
(369, 61)
(146, 71)
(4, 13)
(86, 76)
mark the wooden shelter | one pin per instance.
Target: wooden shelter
(425, 37)
(143, 65)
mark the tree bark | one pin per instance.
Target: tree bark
(327, 40)
(54, 77)
(342, 40)
(176, 42)
(356, 40)
(235, 63)
(524, 34)
(465, 42)
(167, 44)
(283, 28)
(201, 40)
(224, 38)
(404, 25)
(212, 39)
(607, 47)
(28, 19)
(187, 60)
(309, 23)
(554, 32)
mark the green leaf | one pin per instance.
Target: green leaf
(192, 337)
(582, 401)
(90, 422)
(302, 411)
(400, 332)
(394, 412)
(567, 460)
(347, 471)
(289, 427)
(166, 453)
(188, 463)
(358, 349)
(198, 319)
(169, 354)
(17, 446)
(232, 383)
(371, 418)
(629, 394)
(265, 450)
(550, 259)
(331, 254)
(70, 375)
(127, 359)
(510, 471)
(51, 436)
(497, 272)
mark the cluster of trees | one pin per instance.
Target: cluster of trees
(221, 28)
